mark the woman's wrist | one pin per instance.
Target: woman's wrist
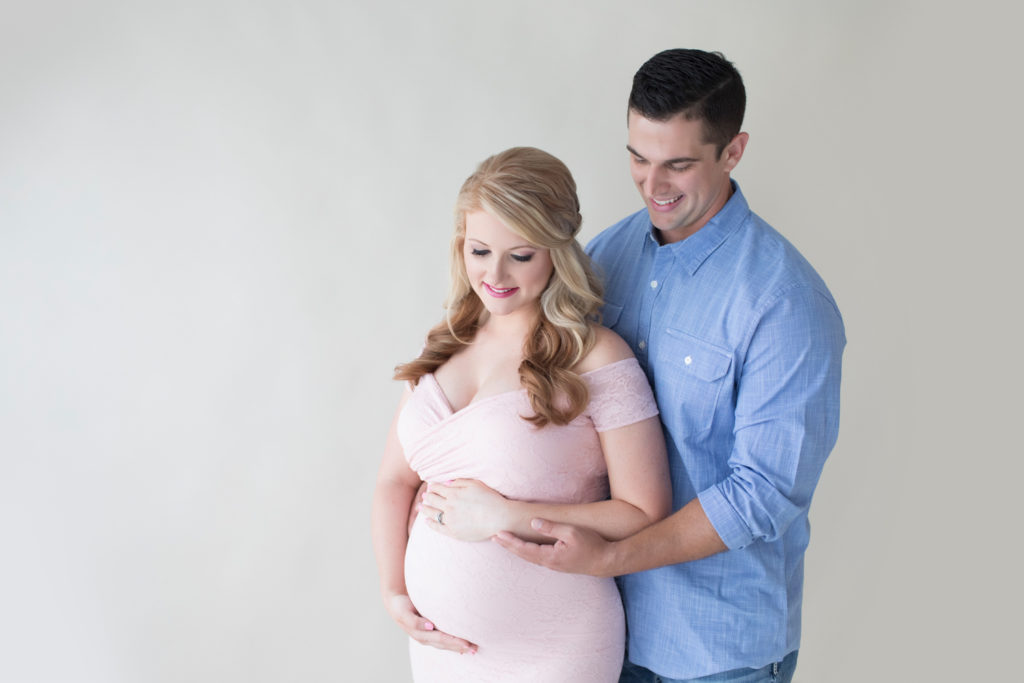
(517, 517)
(389, 592)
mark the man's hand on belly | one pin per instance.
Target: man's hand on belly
(576, 550)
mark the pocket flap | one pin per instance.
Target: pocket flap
(703, 360)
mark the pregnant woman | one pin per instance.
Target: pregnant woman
(520, 405)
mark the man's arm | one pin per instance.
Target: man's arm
(786, 424)
(684, 536)
(786, 419)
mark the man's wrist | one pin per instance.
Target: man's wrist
(612, 559)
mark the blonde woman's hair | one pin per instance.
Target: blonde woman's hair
(534, 195)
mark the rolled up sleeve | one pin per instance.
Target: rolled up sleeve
(786, 419)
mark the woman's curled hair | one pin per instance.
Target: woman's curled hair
(534, 195)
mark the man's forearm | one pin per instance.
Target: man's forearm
(683, 536)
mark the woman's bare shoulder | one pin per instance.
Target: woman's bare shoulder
(608, 348)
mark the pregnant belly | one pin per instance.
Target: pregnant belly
(483, 593)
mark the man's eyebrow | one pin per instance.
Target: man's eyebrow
(668, 162)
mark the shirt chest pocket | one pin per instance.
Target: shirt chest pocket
(691, 377)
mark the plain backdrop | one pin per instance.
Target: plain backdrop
(223, 223)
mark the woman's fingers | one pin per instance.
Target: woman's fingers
(423, 630)
(433, 499)
(415, 507)
(430, 518)
(444, 641)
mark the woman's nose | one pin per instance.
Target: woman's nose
(497, 271)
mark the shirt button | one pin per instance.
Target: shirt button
(654, 284)
(688, 360)
(642, 344)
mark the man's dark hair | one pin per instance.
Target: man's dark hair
(699, 85)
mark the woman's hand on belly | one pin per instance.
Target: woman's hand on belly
(465, 509)
(401, 609)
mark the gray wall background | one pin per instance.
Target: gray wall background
(223, 223)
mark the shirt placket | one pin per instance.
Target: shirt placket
(660, 269)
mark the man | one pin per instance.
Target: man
(742, 343)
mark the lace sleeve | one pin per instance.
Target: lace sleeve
(619, 395)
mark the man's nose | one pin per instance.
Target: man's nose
(656, 181)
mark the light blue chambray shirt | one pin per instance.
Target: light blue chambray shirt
(742, 343)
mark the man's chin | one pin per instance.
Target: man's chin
(659, 221)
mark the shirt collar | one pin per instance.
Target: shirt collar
(695, 249)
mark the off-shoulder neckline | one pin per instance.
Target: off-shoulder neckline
(511, 392)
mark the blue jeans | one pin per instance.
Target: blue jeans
(777, 672)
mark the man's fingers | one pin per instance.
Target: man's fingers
(549, 528)
(531, 552)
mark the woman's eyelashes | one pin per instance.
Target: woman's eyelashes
(521, 258)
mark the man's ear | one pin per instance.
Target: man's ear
(733, 152)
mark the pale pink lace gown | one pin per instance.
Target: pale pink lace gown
(531, 624)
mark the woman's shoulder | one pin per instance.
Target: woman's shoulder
(608, 348)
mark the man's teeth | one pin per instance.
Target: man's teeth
(665, 202)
